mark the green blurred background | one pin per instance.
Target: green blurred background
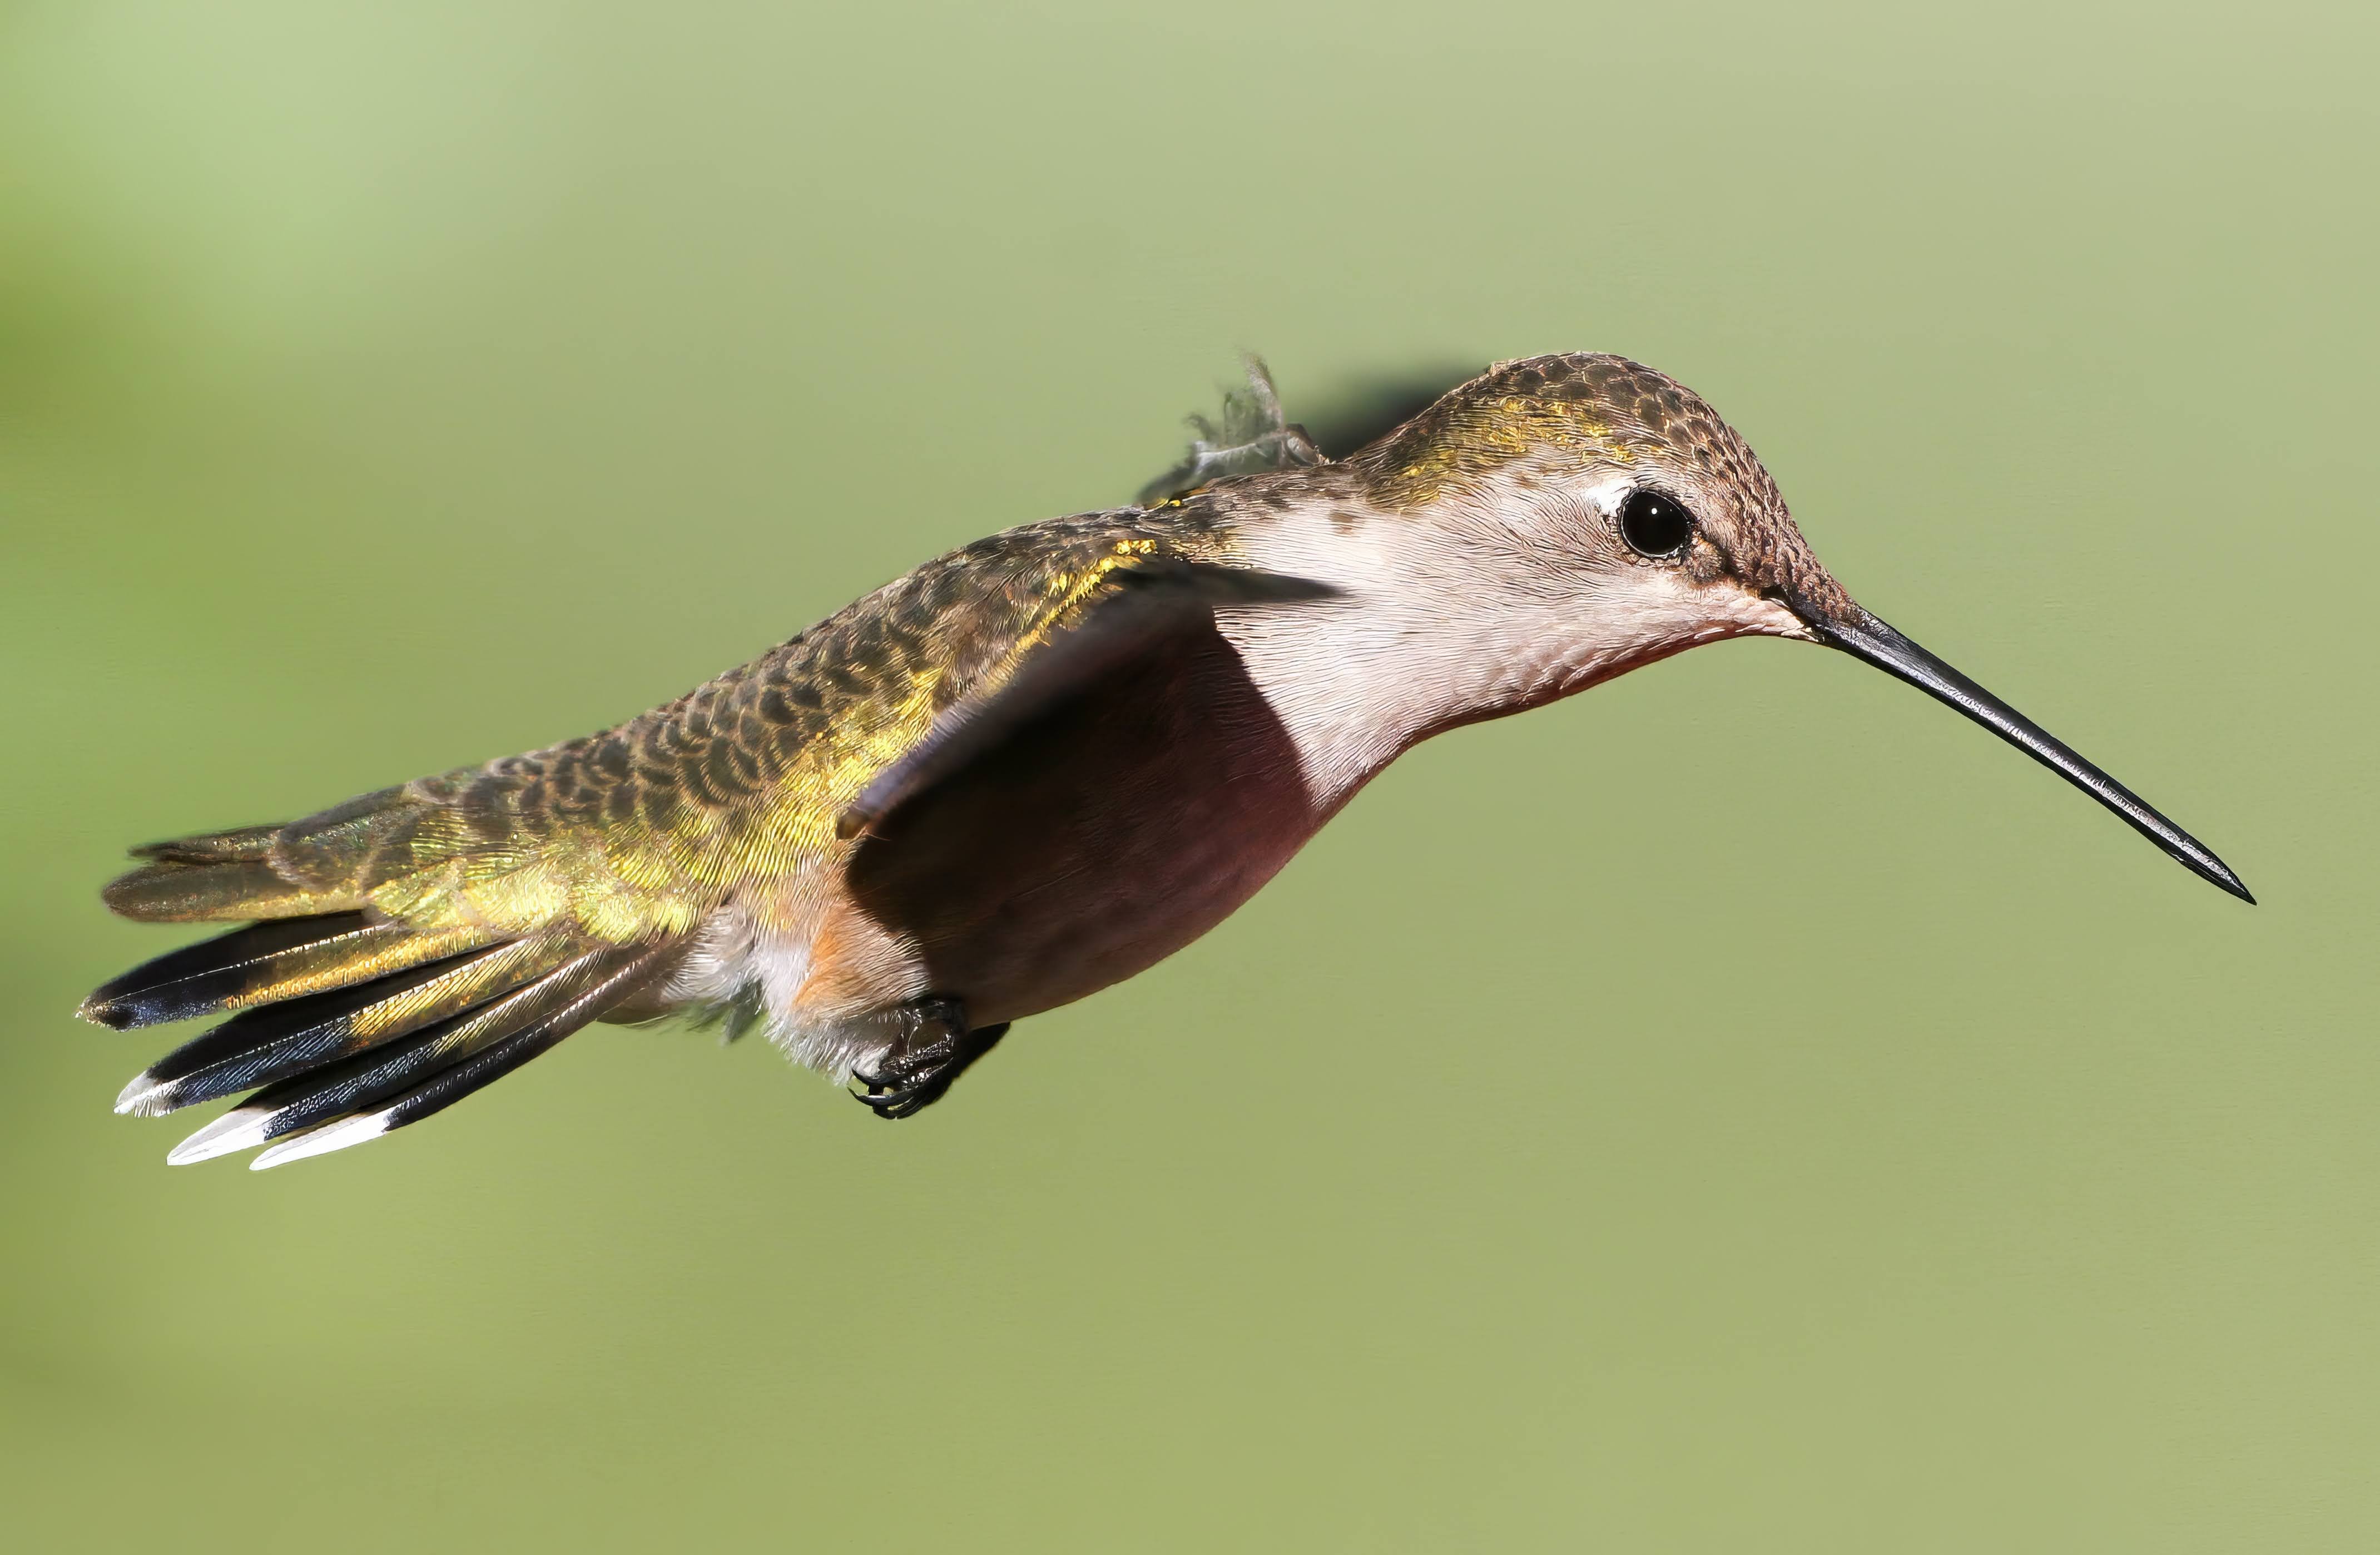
(1744, 1109)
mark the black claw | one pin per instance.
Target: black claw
(912, 1078)
(896, 1105)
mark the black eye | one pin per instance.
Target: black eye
(1654, 525)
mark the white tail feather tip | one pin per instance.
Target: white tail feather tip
(241, 1128)
(321, 1141)
(144, 1098)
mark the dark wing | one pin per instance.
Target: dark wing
(1146, 602)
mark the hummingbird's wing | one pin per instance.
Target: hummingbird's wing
(1142, 603)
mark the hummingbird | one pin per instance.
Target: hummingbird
(1026, 770)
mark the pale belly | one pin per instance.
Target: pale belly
(1103, 838)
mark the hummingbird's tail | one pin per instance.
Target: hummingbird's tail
(353, 1024)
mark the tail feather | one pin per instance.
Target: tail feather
(172, 891)
(268, 962)
(324, 863)
(409, 1078)
(215, 847)
(279, 1041)
(430, 1097)
(400, 951)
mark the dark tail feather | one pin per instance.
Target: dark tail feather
(266, 963)
(402, 1081)
(434, 1095)
(279, 1041)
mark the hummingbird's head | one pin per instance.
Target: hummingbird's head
(1601, 480)
(1583, 514)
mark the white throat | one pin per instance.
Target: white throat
(1436, 629)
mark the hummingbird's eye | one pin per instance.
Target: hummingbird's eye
(1654, 525)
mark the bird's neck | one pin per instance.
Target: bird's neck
(1420, 640)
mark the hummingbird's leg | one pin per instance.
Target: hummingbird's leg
(933, 1050)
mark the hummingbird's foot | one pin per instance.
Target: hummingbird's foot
(933, 1051)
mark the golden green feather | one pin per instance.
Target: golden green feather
(635, 834)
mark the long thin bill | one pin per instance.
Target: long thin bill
(1878, 644)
